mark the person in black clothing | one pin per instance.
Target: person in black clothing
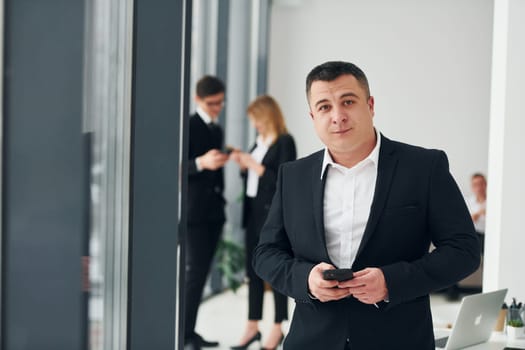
(273, 147)
(206, 215)
(373, 205)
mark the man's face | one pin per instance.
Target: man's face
(342, 114)
(211, 104)
(479, 186)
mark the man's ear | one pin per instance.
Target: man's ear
(311, 115)
(371, 104)
(198, 101)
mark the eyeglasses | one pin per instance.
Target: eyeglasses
(214, 103)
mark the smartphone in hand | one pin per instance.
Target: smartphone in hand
(227, 149)
(339, 275)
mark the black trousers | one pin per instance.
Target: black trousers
(255, 221)
(201, 244)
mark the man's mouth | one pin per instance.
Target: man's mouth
(340, 131)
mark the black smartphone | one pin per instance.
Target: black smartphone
(338, 274)
(227, 149)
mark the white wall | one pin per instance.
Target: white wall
(506, 205)
(428, 64)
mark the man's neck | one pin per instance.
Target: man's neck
(350, 159)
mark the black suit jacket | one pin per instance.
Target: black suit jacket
(416, 202)
(205, 188)
(281, 151)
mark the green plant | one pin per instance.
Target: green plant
(515, 323)
(230, 261)
(514, 318)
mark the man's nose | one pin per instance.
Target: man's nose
(338, 115)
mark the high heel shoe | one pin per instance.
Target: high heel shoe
(278, 344)
(255, 338)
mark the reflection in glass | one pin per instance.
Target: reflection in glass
(107, 101)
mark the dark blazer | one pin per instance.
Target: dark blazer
(416, 202)
(282, 150)
(205, 188)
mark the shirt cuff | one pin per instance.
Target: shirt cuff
(197, 164)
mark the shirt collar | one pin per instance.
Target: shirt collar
(373, 156)
(260, 141)
(204, 116)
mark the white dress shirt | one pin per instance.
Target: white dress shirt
(206, 119)
(474, 206)
(348, 196)
(258, 153)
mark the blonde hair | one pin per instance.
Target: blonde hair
(267, 110)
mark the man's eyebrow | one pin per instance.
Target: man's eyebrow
(324, 100)
(349, 94)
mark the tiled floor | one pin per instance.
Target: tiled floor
(222, 317)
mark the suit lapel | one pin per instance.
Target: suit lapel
(385, 172)
(210, 134)
(318, 185)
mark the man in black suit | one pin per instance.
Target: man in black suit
(367, 203)
(205, 199)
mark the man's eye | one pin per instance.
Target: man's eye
(348, 102)
(323, 108)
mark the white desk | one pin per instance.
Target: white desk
(497, 341)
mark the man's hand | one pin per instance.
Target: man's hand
(368, 285)
(212, 160)
(322, 289)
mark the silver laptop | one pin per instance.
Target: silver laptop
(475, 320)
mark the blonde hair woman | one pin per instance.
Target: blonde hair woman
(259, 167)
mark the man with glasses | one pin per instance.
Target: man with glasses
(205, 199)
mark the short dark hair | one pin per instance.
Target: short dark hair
(478, 175)
(209, 85)
(332, 70)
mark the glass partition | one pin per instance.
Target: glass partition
(1, 150)
(107, 115)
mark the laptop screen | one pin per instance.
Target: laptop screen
(475, 320)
